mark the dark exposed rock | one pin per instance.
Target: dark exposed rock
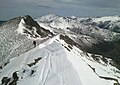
(68, 40)
(32, 72)
(36, 61)
(5, 80)
(10, 81)
(34, 42)
(15, 77)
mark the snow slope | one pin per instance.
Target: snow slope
(61, 59)
(56, 66)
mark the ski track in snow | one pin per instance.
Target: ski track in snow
(57, 65)
(45, 69)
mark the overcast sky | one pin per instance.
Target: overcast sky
(12, 8)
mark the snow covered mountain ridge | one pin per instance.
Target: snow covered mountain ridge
(17, 37)
(56, 50)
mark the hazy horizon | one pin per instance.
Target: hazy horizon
(13, 8)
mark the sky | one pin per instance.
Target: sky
(36, 8)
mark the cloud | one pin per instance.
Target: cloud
(11, 8)
(92, 3)
(105, 3)
(47, 7)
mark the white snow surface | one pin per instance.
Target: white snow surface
(57, 66)
(51, 63)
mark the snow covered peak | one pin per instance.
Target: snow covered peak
(31, 28)
(58, 22)
(25, 30)
(48, 17)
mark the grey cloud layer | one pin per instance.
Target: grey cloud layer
(61, 7)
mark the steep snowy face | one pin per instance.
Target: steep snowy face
(27, 30)
(94, 46)
(31, 28)
(18, 36)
